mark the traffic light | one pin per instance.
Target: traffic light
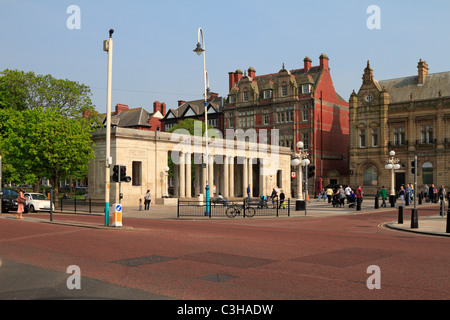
(115, 176)
(123, 174)
(413, 167)
(311, 171)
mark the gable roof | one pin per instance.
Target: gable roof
(402, 89)
(197, 106)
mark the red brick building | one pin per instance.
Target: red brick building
(138, 118)
(303, 105)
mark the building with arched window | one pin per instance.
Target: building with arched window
(409, 115)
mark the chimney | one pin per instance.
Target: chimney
(120, 108)
(230, 80)
(237, 76)
(163, 109)
(423, 71)
(180, 102)
(324, 62)
(156, 106)
(306, 64)
(251, 72)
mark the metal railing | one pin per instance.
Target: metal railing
(81, 205)
(197, 208)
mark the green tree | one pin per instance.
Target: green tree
(21, 90)
(44, 144)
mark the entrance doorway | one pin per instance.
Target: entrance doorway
(399, 180)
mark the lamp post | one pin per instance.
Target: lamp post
(298, 161)
(199, 50)
(392, 164)
(108, 47)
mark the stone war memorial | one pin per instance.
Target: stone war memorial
(234, 163)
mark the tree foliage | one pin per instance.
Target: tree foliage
(45, 127)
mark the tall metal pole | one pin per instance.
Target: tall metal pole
(108, 46)
(199, 50)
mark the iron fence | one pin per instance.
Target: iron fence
(243, 208)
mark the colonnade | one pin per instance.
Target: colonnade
(227, 175)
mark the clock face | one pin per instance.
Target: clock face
(369, 98)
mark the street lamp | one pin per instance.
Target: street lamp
(298, 161)
(108, 47)
(199, 50)
(392, 164)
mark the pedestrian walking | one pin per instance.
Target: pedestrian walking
(340, 193)
(20, 204)
(282, 197)
(383, 194)
(274, 197)
(329, 194)
(147, 200)
(348, 190)
(249, 192)
(401, 194)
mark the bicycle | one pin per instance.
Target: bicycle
(234, 209)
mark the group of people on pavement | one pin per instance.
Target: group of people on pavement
(338, 197)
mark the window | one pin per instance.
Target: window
(266, 119)
(399, 136)
(246, 119)
(305, 140)
(427, 134)
(370, 176)
(375, 137)
(245, 96)
(267, 94)
(362, 138)
(232, 98)
(427, 173)
(284, 91)
(306, 88)
(213, 122)
(169, 126)
(136, 177)
(305, 113)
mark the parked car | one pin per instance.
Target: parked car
(9, 202)
(37, 202)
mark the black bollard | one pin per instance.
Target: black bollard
(414, 219)
(406, 200)
(392, 201)
(420, 197)
(442, 211)
(400, 215)
(376, 202)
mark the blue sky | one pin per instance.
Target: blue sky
(153, 42)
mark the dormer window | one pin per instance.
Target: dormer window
(232, 98)
(306, 88)
(284, 91)
(267, 94)
(246, 96)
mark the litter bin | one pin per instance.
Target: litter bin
(200, 199)
(299, 205)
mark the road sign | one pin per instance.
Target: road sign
(117, 215)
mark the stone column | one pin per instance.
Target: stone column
(211, 176)
(244, 177)
(188, 176)
(182, 176)
(176, 180)
(197, 179)
(231, 183)
(250, 176)
(226, 178)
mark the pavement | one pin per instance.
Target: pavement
(430, 222)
